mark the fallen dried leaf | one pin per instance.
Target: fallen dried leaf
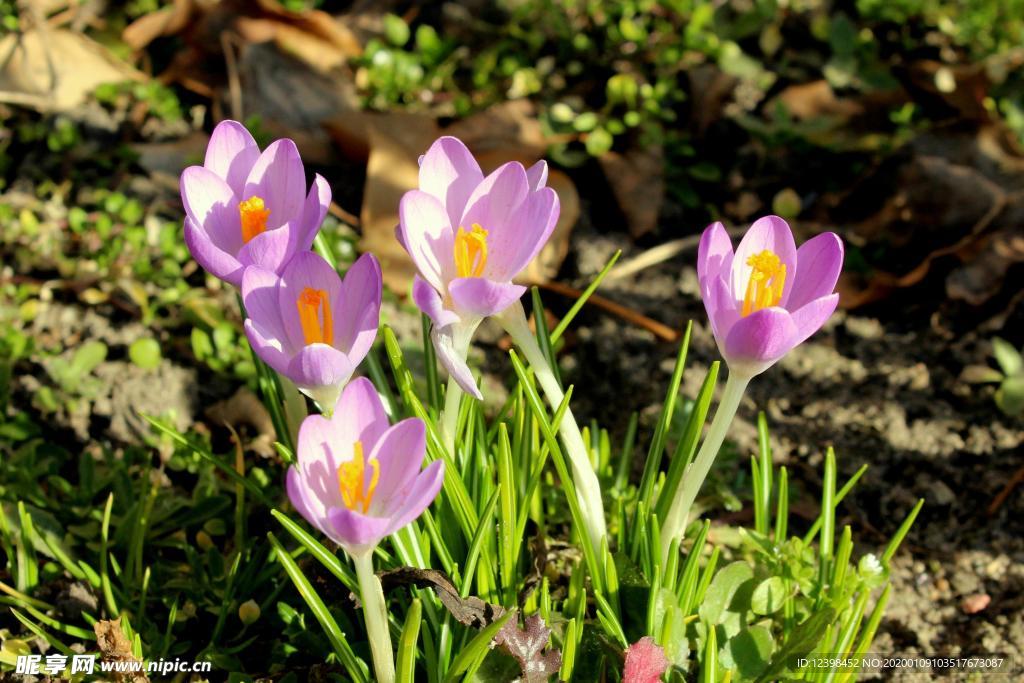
(114, 646)
(637, 180)
(56, 69)
(471, 611)
(645, 662)
(245, 408)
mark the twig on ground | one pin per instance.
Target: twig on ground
(660, 330)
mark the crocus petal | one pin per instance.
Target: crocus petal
(495, 199)
(522, 236)
(450, 173)
(356, 532)
(211, 204)
(769, 233)
(721, 308)
(212, 258)
(359, 415)
(810, 317)
(317, 202)
(271, 249)
(714, 255)
(306, 270)
(311, 511)
(280, 180)
(320, 367)
(231, 154)
(399, 453)
(427, 236)
(259, 295)
(757, 341)
(453, 362)
(430, 302)
(480, 297)
(319, 452)
(419, 496)
(268, 346)
(357, 318)
(537, 175)
(818, 262)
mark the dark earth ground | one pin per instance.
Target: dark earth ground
(880, 384)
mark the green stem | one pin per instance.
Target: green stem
(376, 615)
(588, 487)
(461, 337)
(674, 525)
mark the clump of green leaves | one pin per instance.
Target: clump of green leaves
(1009, 396)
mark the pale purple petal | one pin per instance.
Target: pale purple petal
(512, 245)
(537, 175)
(231, 154)
(312, 511)
(495, 199)
(818, 262)
(810, 317)
(419, 495)
(399, 453)
(722, 310)
(359, 415)
(357, 315)
(279, 178)
(430, 302)
(453, 362)
(211, 204)
(318, 201)
(319, 366)
(450, 173)
(714, 255)
(271, 249)
(755, 342)
(268, 346)
(481, 297)
(212, 258)
(770, 233)
(320, 451)
(427, 236)
(306, 269)
(356, 532)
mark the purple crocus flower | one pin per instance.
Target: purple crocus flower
(357, 479)
(311, 326)
(470, 236)
(245, 208)
(768, 296)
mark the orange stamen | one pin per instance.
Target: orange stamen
(471, 252)
(767, 279)
(315, 316)
(254, 217)
(352, 480)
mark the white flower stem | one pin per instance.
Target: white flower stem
(376, 616)
(674, 525)
(453, 394)
(588, 488)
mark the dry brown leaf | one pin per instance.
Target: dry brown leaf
(637, 180)
(816, 99)
(245, 408)
(396, 142)
(165, 21)
(114, 646)
(56, 69)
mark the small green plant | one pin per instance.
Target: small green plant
(1009, 397)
